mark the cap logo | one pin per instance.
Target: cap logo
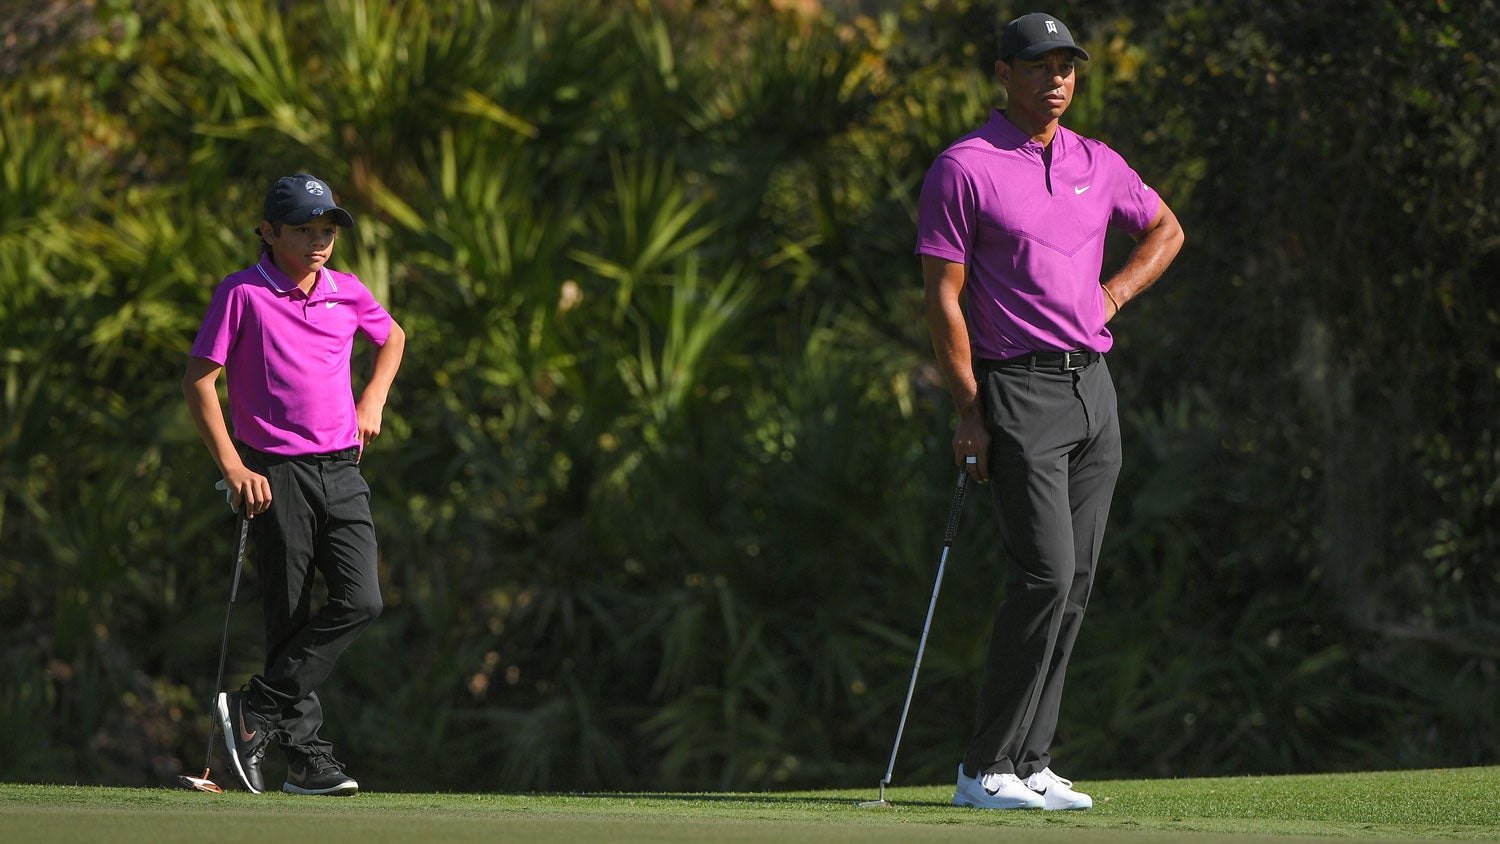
(315, 188)
(1052, 27)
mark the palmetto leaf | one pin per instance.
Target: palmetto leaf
(675, 347)
(648, 226)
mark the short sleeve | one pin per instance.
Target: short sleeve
(374, 320)
(216, 333)
(1135, 202)
(947, 212)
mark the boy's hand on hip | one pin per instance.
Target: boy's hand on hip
(369, 414)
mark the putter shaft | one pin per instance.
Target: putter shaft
(204, 783)
(955, 510)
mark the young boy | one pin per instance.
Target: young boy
(284, 331)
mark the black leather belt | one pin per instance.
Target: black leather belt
(1053, 361)
(265, 458)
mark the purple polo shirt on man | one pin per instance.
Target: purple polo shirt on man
(286, 356)
(1032, 235)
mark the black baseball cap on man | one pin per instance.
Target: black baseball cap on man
(297, 199)
(1031, 35)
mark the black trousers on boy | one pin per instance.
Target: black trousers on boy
(1054, 458)
(319, 521)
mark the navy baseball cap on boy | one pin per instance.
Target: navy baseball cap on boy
(297, 199)
(1031, 35)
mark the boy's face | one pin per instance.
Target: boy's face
(301, 250)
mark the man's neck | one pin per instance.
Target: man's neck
(1041, 134)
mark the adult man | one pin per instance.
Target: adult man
(1013, 217)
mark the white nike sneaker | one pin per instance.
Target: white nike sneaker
(995, 791)
(1056, 792)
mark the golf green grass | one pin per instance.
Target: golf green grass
(1432, 805)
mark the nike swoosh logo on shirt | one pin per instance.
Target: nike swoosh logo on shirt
(329, 304)
(1079, 191)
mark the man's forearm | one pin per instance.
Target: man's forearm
(944, 282)
(1153, 253)
(950, 344)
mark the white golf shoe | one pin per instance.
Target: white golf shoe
(1056, 792)
(995, 791)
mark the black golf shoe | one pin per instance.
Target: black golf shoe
(319, 773)
(246, 734)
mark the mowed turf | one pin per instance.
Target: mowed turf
(1433, 805)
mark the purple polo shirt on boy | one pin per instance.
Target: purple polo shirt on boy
(286, 356)
(1031, 235)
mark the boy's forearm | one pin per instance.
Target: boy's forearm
(387, 363)
(208, 416)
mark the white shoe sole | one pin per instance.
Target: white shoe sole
(340, 790)
(967, 803)
(1020, 807)
(221, 704)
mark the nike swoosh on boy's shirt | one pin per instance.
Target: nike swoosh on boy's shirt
(329, 304)
(1079, 191)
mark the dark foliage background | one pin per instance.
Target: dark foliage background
(665, 471)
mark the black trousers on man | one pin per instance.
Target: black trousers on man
(319, 521)
(1054, 459)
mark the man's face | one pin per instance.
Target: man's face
(1039, 90)
(300, 250)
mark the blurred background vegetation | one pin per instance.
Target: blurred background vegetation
(665, 472)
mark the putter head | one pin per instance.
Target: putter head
(879, 801)
(202, 783)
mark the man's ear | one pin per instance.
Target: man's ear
(1002, 72)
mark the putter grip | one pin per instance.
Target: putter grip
(958, 507)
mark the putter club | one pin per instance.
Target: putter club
(955, 510)
(203, 783)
